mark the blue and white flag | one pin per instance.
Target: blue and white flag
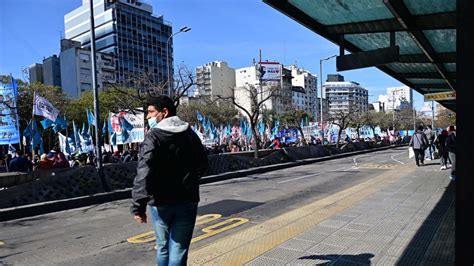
(42, 107)
(90, 118)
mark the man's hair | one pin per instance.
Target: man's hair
(162, 101)
(420, 127)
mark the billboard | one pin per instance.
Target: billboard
(269, 71)
(9, 133)
(137, 134)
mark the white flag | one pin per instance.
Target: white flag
(43, 107)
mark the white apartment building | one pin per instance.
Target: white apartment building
(346, 96)
(304, 92)
(397, 98)
(249, 77)
(215, 79)
(76, 69)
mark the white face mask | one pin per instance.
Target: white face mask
(152, 122)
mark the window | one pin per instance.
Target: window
(84, 57)
(86, 87)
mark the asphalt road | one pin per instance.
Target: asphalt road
(106, 234)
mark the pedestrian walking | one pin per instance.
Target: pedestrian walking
(172, 160)
(440, 143)
(451, 148)
(419, 142)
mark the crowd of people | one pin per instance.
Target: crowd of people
(428, 144)
(24, 162)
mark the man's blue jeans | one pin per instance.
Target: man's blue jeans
(174, 225)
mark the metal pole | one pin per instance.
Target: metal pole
(321, 97)
(168, 64)
(98, 153)
(183, 29)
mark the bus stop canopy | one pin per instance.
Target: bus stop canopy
(413, 41)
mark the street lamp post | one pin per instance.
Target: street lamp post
(98, 153)
(183, 29)
(321, 88)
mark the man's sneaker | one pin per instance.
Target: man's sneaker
(422, 163)
(443, 167)
(428, 159)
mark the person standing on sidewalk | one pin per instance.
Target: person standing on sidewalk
(419, 142)
(172, 160)
(441, 146)
(451, 148)
(430, 135)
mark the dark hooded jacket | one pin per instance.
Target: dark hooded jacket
(172, 160)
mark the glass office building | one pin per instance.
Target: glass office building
(127, 29)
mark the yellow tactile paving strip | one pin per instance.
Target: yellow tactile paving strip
(244, 246)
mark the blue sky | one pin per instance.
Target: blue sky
(228, 30)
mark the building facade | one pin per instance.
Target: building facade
(346, 96)
(52, 71)
(278, 85)
(76, 69)
(139, 41)
(306, 100)
(215, 79)
(35, 72)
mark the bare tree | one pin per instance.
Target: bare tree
(341, 119)
(293, 119)
(259, 97)
(144, 85)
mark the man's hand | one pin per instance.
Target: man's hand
(140, 218)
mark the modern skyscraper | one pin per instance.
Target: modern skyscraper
(128, 30)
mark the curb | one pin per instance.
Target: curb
(66, 204)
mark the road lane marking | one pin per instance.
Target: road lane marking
(221, 227)
(245, 245)
(2, 243)
(207, 218)
(301, 177)
(208, 231)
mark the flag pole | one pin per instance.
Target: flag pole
(31, 125)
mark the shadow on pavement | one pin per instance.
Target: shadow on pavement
(340, 259)
(227, 207)
(434, 240)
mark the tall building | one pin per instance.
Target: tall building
(215, 78)
(345, 96)
(128, 30)
(305, 93)
(35, 72)
(48, 72)
(52, 71)
(266, 78)
(399, 98)
(76, 69)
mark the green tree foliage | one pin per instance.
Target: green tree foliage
(219, 113)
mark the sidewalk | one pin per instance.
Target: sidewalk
(401, 217)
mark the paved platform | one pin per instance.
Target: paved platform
(401, 217)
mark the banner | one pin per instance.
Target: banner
(9, 132)
(44, 108)
(269, 71)
(136, 134)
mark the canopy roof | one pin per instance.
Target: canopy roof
(424, 31)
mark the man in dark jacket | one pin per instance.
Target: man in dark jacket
(419, 142)
(451, 148)
(172, 160)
